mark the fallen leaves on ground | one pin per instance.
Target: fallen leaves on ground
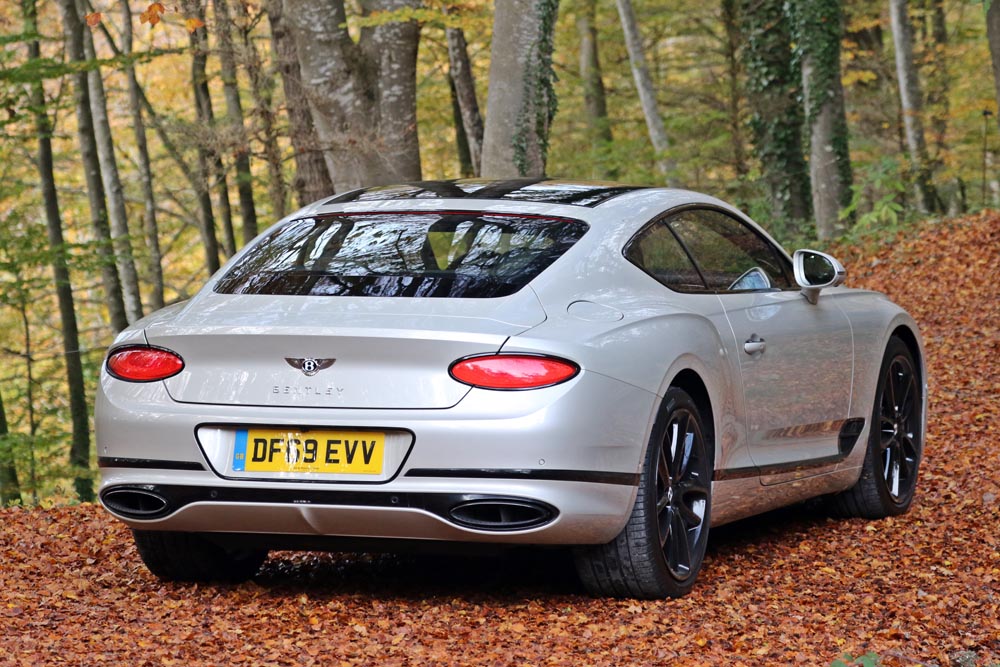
(791, 587)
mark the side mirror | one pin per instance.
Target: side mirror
(815, 270)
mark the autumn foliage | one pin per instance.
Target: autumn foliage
(151, 16)
(791, 587)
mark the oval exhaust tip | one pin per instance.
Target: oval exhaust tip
(135, 503)
(502, 514)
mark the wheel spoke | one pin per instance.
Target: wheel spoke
(662, 502)
(665, 521)
(680, 446)
(663, 470)
(887, 432)
(908, 456)
(675, 437)
(689, 515)
(906, 404)
(890, 381)
(905, 468)
(679, 556)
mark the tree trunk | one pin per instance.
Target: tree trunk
(240, 145)
(464, 85)
(594, 99)
(118, 214)
(521, 102)
(776, 115)
(10, 487)
(262, 88)
(993, 37)
(465, 167)
(938, 82)
(647, 93)
(206, 120)
(146, 108)
(362, 95)
(818, 31)
(992, 185)
(734, 87)
(73, 27)
(79, 414)
(912, 104)
(950, 197)
(203, 113)
(312, 180)
(151, 227)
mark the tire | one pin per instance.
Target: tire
(895, 443)
(174, 556)
(660, 551)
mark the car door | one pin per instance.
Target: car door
(795, 359)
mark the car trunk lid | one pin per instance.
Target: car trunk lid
(336, 352)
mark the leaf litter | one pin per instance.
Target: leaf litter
(789, 587)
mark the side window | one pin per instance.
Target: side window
(656, 251)
(730, 255)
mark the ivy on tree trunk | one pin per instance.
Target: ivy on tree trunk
(521, 102)
(773, 88)
(817, 30)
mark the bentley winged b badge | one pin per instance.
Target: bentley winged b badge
(310, 366)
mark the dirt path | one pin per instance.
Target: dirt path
(788, 588)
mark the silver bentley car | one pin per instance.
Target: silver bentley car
(526, 362)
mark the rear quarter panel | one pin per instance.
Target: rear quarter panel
(643, 334)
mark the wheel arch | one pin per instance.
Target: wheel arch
(691, 383)
(909, 338)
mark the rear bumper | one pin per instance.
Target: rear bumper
(567, 512)
(563, 461)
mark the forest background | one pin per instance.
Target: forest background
(144, 143)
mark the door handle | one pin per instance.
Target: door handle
(756, 345)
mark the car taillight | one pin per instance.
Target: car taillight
(144, 364)
(513, 371)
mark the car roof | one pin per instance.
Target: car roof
(536, 190)
(607, 205)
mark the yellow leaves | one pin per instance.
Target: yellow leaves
(193, 24)
(856, 76)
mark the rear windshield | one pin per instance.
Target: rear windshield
(467, 255)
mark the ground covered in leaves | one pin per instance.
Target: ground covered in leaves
(791, 587)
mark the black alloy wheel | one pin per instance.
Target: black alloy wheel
(898, 424)
(888, 477)
(660, 551)
(683, 476)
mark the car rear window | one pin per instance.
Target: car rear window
(457, 255)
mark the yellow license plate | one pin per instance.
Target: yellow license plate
(280, 450)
